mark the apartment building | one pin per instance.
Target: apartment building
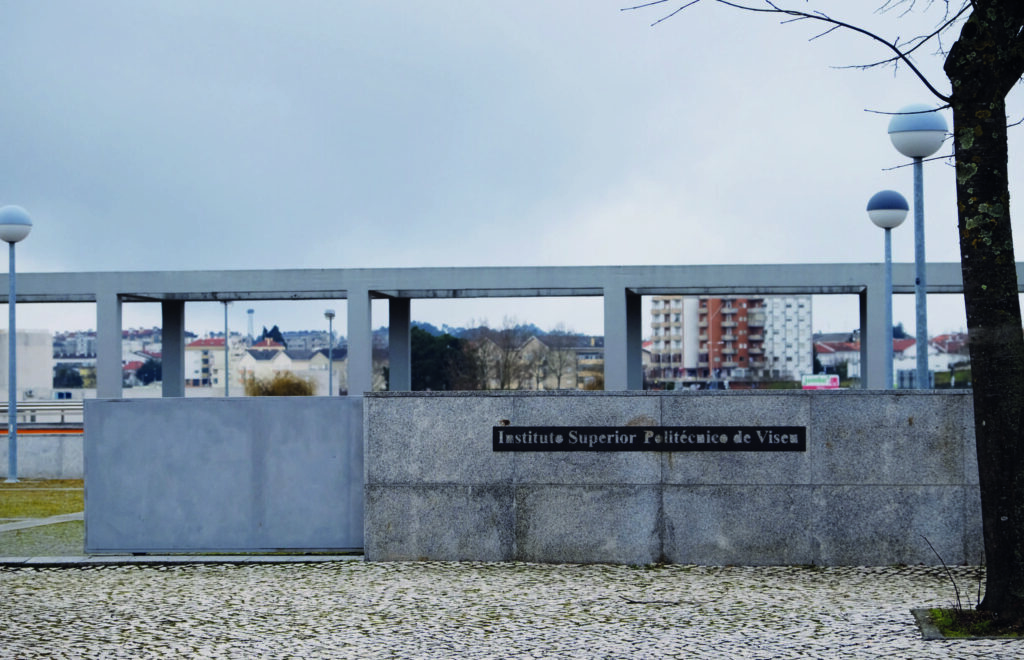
(204, 362)
(788, 337)
(730, 338)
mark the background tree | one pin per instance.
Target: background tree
(510, 368)
(274, 334)
(65, 376)
(983, 63)
(479, 351)
(150, 371)
(438, 362)
(281, 384)
(561, 356)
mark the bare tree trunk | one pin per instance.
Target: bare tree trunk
(982, 69)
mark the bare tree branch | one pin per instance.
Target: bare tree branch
(899, 52)
(819, 16)
(918, 41)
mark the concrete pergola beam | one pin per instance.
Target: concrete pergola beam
(621, 287)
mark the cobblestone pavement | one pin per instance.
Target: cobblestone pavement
(353, 609)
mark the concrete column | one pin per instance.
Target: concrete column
(108, 346)
(360, 342)
(862, 300)
(173, 359)
(623, 368)
(873, 334)
(399, 350)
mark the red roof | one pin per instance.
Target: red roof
(207, 343)
(264, 343)
(953, 343)
(900, 345)
(837, 346)
(133, 366)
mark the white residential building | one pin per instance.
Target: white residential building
(35, 364)
(730, 338)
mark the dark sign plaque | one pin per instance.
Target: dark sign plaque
(650, 438)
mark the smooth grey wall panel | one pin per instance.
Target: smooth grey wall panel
(237, 474)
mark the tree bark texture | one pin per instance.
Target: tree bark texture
(983, 65)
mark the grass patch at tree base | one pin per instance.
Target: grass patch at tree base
(965, 624)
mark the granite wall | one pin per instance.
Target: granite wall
(881, 472)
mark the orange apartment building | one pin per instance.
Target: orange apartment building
(730, 338)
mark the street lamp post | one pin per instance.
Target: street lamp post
(15, 224)
(329, 315)
(917, 132)
(227, 354)
(888, 209)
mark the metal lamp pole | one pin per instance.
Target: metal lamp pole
(888, 209)
(917, 132)
(329, 315)
(15, 224)
(227, 358)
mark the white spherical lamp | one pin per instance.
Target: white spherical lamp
(888, 209)
(918, 131)
(15, 224)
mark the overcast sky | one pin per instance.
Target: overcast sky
(188, 134)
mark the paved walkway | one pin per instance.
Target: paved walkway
(354, 609)
(28, 523)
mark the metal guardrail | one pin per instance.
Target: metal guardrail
(62, 412)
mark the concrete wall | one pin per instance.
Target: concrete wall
(881, 471)
(236, 474)
(57, 456)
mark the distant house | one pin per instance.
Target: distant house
(902, 348)
(339, 362)
(952, 344)
(831, 354)
(204, 363)
(128, 371)
(267, 344)
(263, 363)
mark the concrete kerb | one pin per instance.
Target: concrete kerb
(91, 561)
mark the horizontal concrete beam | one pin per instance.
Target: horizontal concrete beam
(312, 284)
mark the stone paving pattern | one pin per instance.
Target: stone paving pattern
(354, 609)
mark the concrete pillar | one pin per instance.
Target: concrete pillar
(399, 349)
(173, 360)
(623, 368)
(360, 342)
(873, 334)
(108, 346)
(862, 301)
